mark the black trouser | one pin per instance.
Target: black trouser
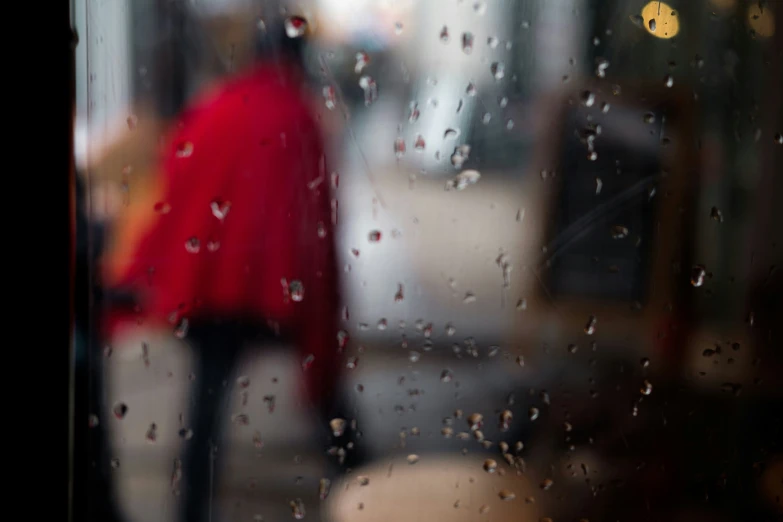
(218, 347)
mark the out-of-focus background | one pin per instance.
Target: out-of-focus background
(612, 278)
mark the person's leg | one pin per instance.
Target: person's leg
(216, 346)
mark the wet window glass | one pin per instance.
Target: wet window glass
(414, 259)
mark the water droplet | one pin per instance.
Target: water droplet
(240, 419)
(779, 138)
(573, 348)
(467, 42)
(184, 150)
(619, 231)
(463, 180)
(486, 118)
(547, 484)
(152, 433)
(587, 98)
(521, 361)
(652, 25)
(469, 298)
(646, 388)
(162, 207)
(492, 42)
(506, 494)
(352, 363)
(120, 410)
(645, 362)
(451, 134)
(307, 362)
(412, 458)
(533, 413)
(330, 97)
(413, 115)
(414, 356)
(490, 465)
(522, 303)
(370, 89)
(93, 420)
(475, 421)
(324, 485)
(698, 273)
(295, 26)
(716, 214)
(220, 208)
(505, 420)
(296, 289)
(446, 376)
(601, 65)
(297, 508)
(193, 245)
(637, 20)
(470, 90)
(338, 426)
(447, 432)
(186, 433)
(590, 326)
(498, 70)
(484, 509)
(649, 117)
(419, 145)
(444, 34)
(400, 295)
(362, 61)
(375, 236)
(363, 480)
(605, 107)
(398, 28)
(668, 80)
(399, 147)
(115, 463)
(181, 330)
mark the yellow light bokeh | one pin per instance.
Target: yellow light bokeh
(667, 22)
(761, 21)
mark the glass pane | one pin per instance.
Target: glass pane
(397, 259)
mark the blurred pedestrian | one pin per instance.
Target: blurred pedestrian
(239, 247)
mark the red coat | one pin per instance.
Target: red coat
(245, 219)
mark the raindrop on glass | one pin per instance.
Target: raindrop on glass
(296, 288)
(498, 70)
(590, 326)
(362, 61)
(120, 410)
(467, 42)
(330, 97)
(370, 89)
(698, 273)
(297, 508)
(587, 98)
(533, 413)
(193, 245)
(337, 426)
(295, 26)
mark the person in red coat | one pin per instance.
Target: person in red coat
(240, 246)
